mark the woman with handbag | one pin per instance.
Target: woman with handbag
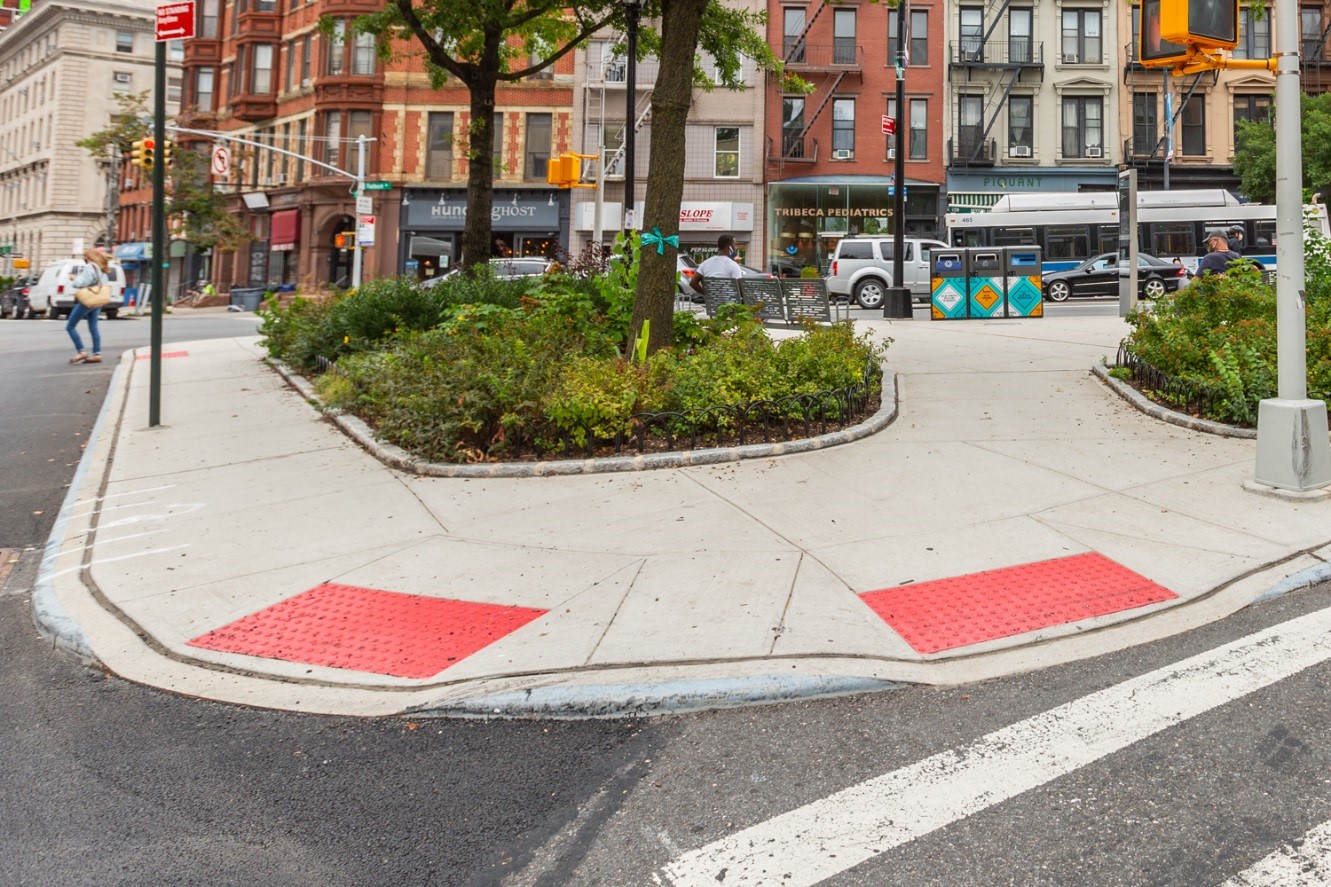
(92, 292)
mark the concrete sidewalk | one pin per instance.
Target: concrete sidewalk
(648, 591)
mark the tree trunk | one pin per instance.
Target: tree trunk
(671, 98)
(476, 235)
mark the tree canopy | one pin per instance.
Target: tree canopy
(1255, 152)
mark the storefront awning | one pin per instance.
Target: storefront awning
(971, 202)
(285, 230)
(429, 246)
(133, 252)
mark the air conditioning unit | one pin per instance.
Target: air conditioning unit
(123, 77)
(891, 153)
(280, 179)
(841, 154)
(1071, 58)
(1096, 151)
(1019, 151)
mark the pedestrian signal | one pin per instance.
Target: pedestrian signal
(564, 170)
(1208, 23)
(1153, 50)
(344, 240)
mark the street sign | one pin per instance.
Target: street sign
(175, 21)
(378, 186)
(221, 163)
(364, 206)
(365, 231)
(889, 126)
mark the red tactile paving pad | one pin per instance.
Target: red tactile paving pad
(386, 632)
(964, 610)
(165, 354)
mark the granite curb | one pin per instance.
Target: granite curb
(396, 457)
(1164, 414)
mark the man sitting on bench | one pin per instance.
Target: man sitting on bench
(722, 264)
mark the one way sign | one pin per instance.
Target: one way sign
(175, 21)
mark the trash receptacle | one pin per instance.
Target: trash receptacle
(984, 284)
(248, 298)
(1024, 295)
(947, 285)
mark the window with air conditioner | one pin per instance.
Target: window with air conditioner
(1019, 151)
(1070, 58)
(891, 153)
(1095, 151)
(123, 77)
(843, 128)
(1081, 43)
(841, 154)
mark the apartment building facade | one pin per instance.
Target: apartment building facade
(723, 167)
(265, 72)
(831, 167)
(61, 64)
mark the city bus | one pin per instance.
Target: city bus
(1072, 227)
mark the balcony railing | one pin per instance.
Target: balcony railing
(802, 56)
(971, 152)
(995, 53)
(793, 149)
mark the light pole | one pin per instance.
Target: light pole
(632, 11)
(898, 301)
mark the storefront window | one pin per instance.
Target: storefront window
(806, 219)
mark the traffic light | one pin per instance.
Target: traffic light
(141, 154)
(166, 153)
(1207, 23)
(564, 170)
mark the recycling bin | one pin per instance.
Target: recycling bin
(947, 284)
(985, 284)
(1024, 296)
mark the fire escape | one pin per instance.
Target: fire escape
(978, 55)
(830, 63)
(1148, 144)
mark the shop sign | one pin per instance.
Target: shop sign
(519, 212)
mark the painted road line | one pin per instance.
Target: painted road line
(814, 842)
(1304, 864)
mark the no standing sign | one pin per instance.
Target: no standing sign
(175, 21)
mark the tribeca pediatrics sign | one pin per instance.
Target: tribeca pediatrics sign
(509, 212)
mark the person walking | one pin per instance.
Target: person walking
(722, 264)
(1217, 261)
(93, 274)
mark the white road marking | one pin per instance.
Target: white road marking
(1306, 865)
(814, 842)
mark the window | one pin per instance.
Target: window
(361, 123)
(301, 131)
(1083, 125)
(843, 37)
(727, 152)
(843, 127)
(306, 53)
(792, 126)
(121, 81)
(362, 57)
(203, 90)
(1310, 33)
(175, 51)
(971, 31)
(793, 31)
(919, 129)
(1020, 110)
(1254, 34)
(855, 249)
(1014, 237)
(917, 35)
(439, 146)
(1172, 239)
(970, 125)
(497, 142)
(124, 41)
(1019, 27)
(332, 137)
(1256, 108)
(173, 85)
(539, 54)
(265, 6)
(538, 145)
(1081, 37)
(289, 81)
(209, 11)
(1066, 242)
(1193, 128)
(261, 71)
(1145, 127)
(337, 41)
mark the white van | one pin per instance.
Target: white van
(53, 294)
(862, 268)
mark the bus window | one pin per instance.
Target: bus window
(1266, 234)
(1014, 236)
(1107, 238)
(1173, 239)
(1066, 242)
(968, 237)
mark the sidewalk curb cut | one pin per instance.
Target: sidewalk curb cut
(1297, 582)
(397, 457)
(52, 620)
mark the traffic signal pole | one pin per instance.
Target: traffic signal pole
(160, 257)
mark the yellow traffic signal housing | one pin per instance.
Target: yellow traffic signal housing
(1153, 50)
(149, 150)
(564, 171)
(166, 152)
(1212, 24)
(138, 154)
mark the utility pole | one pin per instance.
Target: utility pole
(898, 300)
(359, 191)
(159, 237)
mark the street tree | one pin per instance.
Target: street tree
(192, 201)
(1255, 152)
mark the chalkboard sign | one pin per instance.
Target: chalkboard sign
(259, 263)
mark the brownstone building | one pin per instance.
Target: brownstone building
(264, 71)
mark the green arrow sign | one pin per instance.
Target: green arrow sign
(378, 186)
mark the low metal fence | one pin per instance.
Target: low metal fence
(1189, 396)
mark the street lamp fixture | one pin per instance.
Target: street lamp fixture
(632, 13)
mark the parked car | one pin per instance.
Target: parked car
(503, 269)
(53, 294)
(1099, 276)
(14, 300)
(862, 269)
(684, 271)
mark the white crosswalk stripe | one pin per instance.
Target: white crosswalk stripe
(1306, 863)
(814, 842)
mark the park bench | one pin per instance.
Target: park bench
(718, 291)
(806, 298)
(765, 293)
